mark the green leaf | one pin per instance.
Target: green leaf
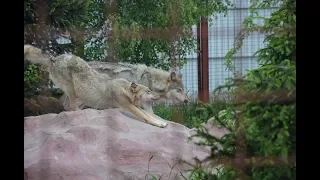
(284, 154)
(152, 176)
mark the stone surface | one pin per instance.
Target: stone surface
(104, 144)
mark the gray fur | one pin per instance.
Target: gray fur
(78, 80)
(169, 85)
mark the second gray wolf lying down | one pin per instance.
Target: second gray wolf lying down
(169, 85)
(78, 80)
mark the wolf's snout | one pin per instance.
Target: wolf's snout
(186, 101)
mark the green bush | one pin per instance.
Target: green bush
(177, 113)
(36, 79)
(264, 132)
(191, 114)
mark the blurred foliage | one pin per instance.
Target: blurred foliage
(138, 31)
(52, 20)
(97, 28)
(191, 114)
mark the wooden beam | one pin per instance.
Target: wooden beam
(203, 61)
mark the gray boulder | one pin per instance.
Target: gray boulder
(105, 145)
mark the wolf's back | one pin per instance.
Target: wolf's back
(35, 55)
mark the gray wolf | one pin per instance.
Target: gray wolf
(169, 85)
(78, 80)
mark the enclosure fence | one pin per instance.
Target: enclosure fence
(222, 32)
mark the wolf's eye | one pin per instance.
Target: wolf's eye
(179, 90)
(148, 91)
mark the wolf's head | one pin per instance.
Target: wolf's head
(176, 95)
(175, 88)
(143, 94)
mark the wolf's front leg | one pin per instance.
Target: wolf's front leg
(153, 116)
(148, 110)
(71, 95)
(66, 103)
(137, 112)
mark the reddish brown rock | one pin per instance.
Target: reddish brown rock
(103, 145)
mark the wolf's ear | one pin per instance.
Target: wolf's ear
(134, 87)
(173, 76)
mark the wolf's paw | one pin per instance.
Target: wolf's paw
(76, 108)
(163, 124)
